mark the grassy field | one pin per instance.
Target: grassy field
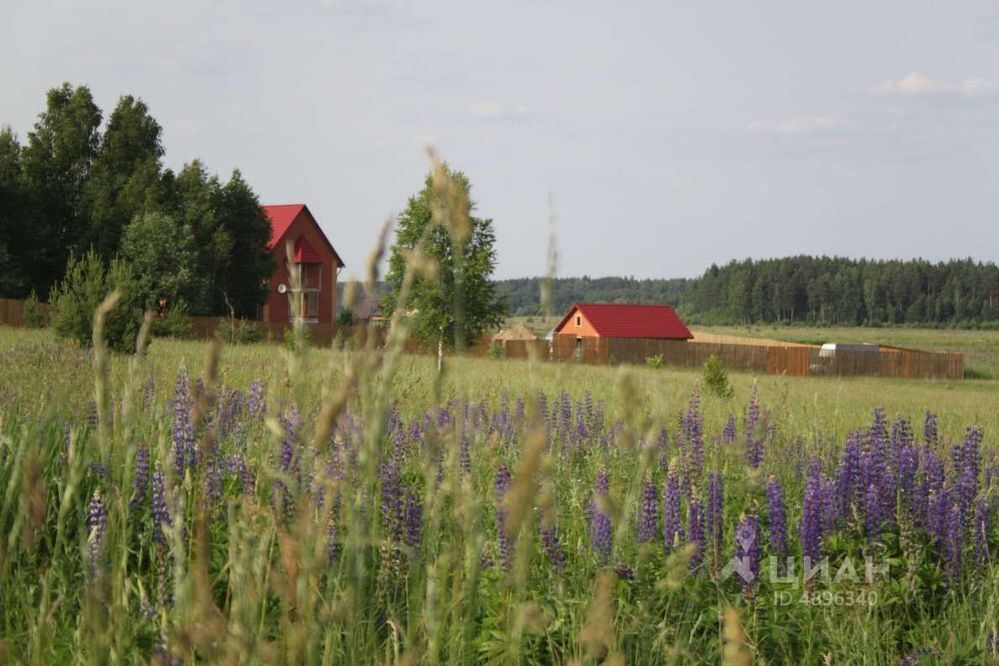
(347, 507)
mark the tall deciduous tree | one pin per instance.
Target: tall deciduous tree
(55, 164)
(456, 302)
(126, 176)
(12, 213)
(163, 257)
(243, 278)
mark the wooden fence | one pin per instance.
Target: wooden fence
(798, 360)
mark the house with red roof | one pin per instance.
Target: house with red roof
(622, 320)
(308, 275)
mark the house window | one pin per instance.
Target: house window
(579, 321)
(309, 275)
(310, 305)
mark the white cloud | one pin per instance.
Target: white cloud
(800, 126)
(917, 84)
(491, 108)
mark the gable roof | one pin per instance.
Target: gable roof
(282, 215)
(622, 320)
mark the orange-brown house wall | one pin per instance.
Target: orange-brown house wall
(584, 330)
(277, 307)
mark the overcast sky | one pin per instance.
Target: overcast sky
(668, 135)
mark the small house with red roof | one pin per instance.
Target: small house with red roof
(308, 275)
(622, 320)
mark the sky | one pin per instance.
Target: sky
(661, 137)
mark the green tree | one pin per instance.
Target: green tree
(164, 260)
(126, 176)
(12, 226)
(244, 230)
(55, 164)
(72, 302)
(456, 302)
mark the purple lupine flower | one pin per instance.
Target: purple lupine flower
(715, 515)
(393, 518)
(747, 550)
(213, 481)
(600, 524)
(97, 523)
(647, 515)
(849, 476)
(501, 484)
(755, 432)
(811, 513)
(901, 433)
(931, 487)
(872, 513)
(930, 430)
(662, 448)
(777, 520)
(464, 454)
(937, 515)
(830, 509)
(256, 406)
(908, 465)
(695, 532)
(693, 434)
(728, 432)
(161, 512)
(981, 524)
(955, 540)
(552, 546)
(967, 468)
(183, 430)
(672, 525)
(413, 535)
(140, 481)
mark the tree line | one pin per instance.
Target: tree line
(802, 289)
(76, 189)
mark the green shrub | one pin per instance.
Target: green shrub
(497, 350)
(289, 337)
(654, 362)
(345, 318)
(34, 312)
(716, 379)
(86, 283)
(238, 332)
(174, 324)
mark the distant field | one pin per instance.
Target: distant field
(980, 348)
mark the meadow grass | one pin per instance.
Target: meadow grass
(259, 505)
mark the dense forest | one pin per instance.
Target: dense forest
(78, 184)
(523, 295)
(814, 290)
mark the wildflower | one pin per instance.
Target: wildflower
(97, 523)
(183, 430)
(600, 524)
(930, 430)
(413, 520)
(695, 531)
(728, 432)
(872, 513)
(501, 484)
(747, 550)
(255, 404)
(552, 546)
(811, 516)
(140, 481)
(672, 527)
(161, 513)
(776, 517)
(647, 512)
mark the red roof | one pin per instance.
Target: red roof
(281, 217)
(621, 320)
